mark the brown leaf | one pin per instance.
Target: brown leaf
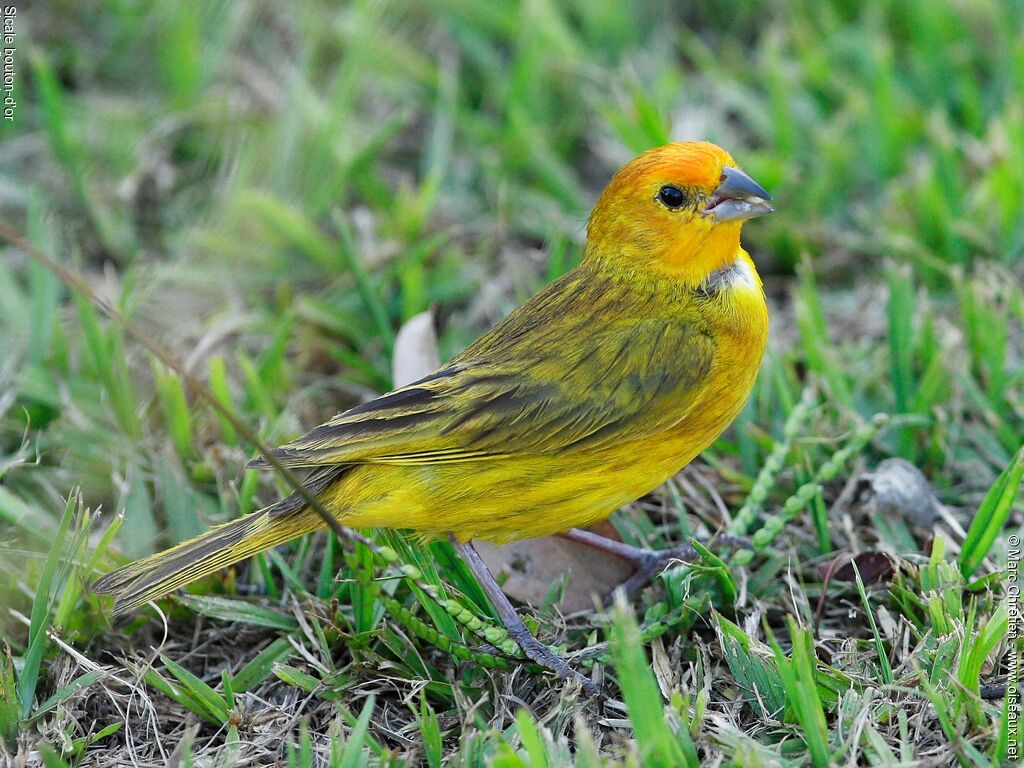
(531, 566)
(873, 567)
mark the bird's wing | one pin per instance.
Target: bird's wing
(539, 382)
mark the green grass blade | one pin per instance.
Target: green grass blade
(883, 656)
(200, 692)
(42, 610)
(10, 704)
(802, 697)
(261, 666)
(65, 693)
(353, 754)
(234, 610)
(658, 745)
(992, 515)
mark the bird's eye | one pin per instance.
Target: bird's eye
(673, 197)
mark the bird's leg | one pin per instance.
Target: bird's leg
(517, 630)
(649, 563)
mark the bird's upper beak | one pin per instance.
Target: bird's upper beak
(737, 197)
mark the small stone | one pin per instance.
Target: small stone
(900, 489)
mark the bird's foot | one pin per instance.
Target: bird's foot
(540, 654)
(532, 648)
(648, 562)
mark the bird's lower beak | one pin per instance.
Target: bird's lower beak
(737, 198)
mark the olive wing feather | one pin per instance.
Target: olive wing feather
(539, 382)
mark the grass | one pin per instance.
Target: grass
(273, 191)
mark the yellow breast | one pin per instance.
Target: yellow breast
(504, 499)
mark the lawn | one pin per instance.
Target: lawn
(263, 196)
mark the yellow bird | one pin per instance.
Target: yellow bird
(586, 397)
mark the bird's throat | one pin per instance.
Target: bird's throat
(693, 258)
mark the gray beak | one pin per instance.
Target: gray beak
(738, 197)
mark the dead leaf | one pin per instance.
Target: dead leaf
(415, 354)
(873, 567)
(531, 566)
(664, 672)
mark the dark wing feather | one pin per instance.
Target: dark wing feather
(543, 380)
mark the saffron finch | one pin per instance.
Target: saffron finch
(586, 397)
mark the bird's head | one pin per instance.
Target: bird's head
(676, 209)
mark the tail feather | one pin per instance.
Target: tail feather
(155, 576)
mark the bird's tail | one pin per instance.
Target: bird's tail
(159, 574)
